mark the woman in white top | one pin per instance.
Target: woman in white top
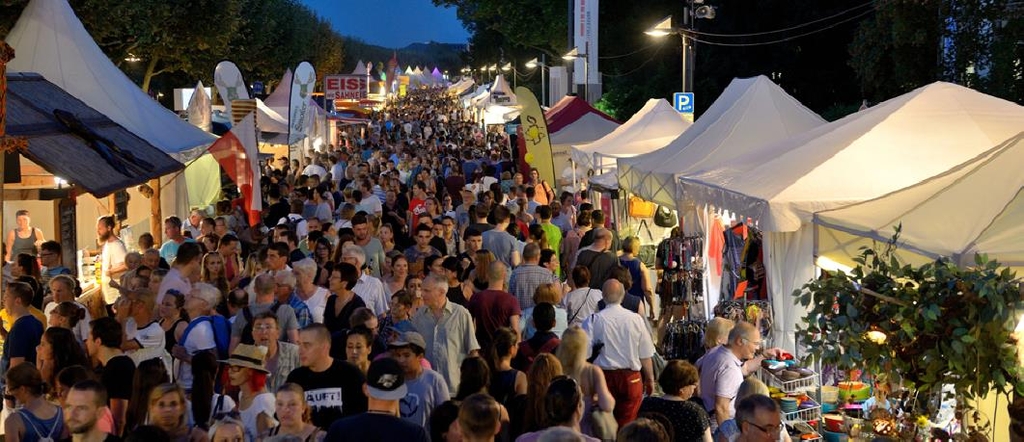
(581, 301)
(247, 371)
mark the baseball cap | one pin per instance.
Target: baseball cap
(385, 380)
(409, 338)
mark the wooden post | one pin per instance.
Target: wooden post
(156, 214)
(6, 144)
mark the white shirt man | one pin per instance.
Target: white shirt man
(626, 354)
(370, 289)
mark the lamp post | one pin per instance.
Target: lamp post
(533, 64)
(574, 54)
(690, 15)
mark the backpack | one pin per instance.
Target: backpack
(526, 355)
(293, 223)
(221, 333)
(247, 330)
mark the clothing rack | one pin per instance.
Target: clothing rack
(684, 339)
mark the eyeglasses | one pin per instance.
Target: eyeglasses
(757, 343)
(770, 430)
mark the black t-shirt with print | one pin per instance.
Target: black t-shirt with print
(333, 393)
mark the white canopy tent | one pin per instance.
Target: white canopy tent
(360, 68)
(976, 207)
(51, 41)
(652, 127)
(750, 113)
(282, 94)
(587, 128)
(501, 93)
(888, 147)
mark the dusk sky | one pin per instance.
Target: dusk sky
(392, 23)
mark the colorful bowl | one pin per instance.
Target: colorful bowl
(834, 422)
(858, 391)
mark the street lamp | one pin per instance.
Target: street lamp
(574, 54)
(510, 67)
(532, 64)
(690, 14)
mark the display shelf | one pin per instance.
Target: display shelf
(804, 415)
(807, 384)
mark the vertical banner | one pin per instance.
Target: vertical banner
(229, 83)
(199, 110)
(585, 40)
(534, 142)
(303, 82)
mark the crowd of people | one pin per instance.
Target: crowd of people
(412, 282)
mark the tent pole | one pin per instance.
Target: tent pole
(155, 212)
(6, 54)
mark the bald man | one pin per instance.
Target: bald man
(626, 354)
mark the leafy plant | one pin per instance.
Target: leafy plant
(942, 324)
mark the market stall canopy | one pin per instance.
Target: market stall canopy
(78, 143)
(750, 114)
(282, 94)
(652, 127)
(270, 120)
(895, 144)
(976, 207)
(501, 93)
(360, 68)
(570, 109)
(51, 41)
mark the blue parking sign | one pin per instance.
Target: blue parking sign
(683, 102)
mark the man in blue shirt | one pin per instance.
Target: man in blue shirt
(26, 331)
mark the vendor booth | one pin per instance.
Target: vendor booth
(894, 145)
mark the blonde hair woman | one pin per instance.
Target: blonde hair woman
(572, 353)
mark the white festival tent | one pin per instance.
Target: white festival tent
(893, 145)
(750, 113)
(652, 127)
(282, 94)
(976, 207)
(587, 128)
(501, 93)
(360, 68)
(50, 40)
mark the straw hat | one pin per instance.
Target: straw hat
(248, 356)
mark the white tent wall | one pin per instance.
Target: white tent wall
(788, 261)
(993, 225)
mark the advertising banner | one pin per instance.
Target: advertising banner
(229, 83)
(345, 87)
(585, 40)
(303, 82)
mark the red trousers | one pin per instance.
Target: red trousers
(628, 390)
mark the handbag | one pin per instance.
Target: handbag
(603, 424)
(641, 208)
(663, 217)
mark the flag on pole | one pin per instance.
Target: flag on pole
(229, 83)
(238, 154)
(303, 82)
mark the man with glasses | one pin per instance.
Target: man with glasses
(759, 419)
(50, 259)
(282, 357)
(721, 371)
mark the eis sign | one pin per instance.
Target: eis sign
(345, 87)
